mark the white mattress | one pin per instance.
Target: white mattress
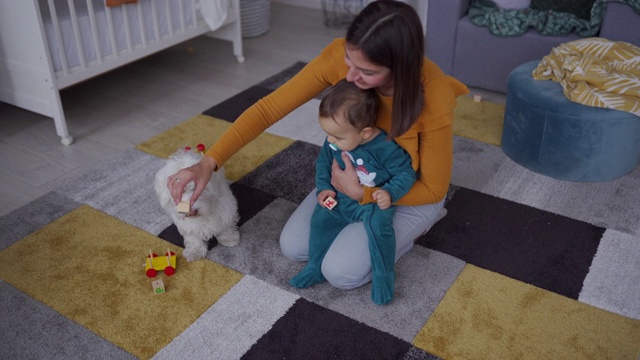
(70, 48)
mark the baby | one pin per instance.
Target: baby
(348, 115)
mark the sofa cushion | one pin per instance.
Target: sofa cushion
(512, 4)
(621, 23)
(580, 8)
(484, 60)
(546, 22)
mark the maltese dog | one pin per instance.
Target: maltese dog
(215, 213)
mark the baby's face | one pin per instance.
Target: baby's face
(341, 133)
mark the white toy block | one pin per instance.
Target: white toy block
(330, 202)
(184, 207)
(158, 286)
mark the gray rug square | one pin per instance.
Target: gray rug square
(38, 213)
(32, 330)
(233, 324)
(613, 280)
(423, 276)
(123, 188)
(610, 204)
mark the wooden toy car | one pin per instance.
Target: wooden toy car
(155, 263)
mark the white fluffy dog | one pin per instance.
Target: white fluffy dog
(215, 213)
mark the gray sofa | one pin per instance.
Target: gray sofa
(480, 59)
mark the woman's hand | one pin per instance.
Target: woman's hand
(199, 173)
(346, 181)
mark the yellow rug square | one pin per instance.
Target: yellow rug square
(480, 121)
(485, 315)
(89, 267)
(203, 129)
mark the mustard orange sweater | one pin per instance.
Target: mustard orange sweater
(429, 141)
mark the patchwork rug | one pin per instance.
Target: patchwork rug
(522, 267)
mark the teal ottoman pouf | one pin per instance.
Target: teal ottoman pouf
(546, 133)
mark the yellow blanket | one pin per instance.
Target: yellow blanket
(595, 72)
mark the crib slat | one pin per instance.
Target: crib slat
(56, 30)
(127, 28)
(154, 17)
(94, 32)
(112, 34)
(169, 22)
(143, 33)
(194, 13)
(76, 34)
(181, 13)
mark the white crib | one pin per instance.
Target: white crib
(48, 45)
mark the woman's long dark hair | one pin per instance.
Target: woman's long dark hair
(389, 33)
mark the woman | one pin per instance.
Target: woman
(384, 50)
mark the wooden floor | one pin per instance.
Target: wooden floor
(114, 112)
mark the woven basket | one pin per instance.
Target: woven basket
(255, 16)
(338, 14)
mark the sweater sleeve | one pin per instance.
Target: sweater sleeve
(435, 167)
(397, 164)
(434, 173)
(322, 72)
(435, 141)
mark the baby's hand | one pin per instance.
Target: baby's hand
(383, 198)
(323, 195)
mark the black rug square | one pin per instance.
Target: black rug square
(309, 331)
(540, 248)
(274, 82)
(290, 174)
(231, 108)
(172, 235)
(250, 201)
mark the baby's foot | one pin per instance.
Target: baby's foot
(307, 277)
(382, 288)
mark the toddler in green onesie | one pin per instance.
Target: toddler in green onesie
(348, 115)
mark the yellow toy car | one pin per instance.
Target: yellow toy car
(155, 263)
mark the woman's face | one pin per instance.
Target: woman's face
(365, 74)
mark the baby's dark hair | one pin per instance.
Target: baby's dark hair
(359, 107)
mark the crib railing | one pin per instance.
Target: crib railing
(75, 40)
(86, 34)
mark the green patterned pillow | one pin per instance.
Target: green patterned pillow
(580, 8)
(546, 21)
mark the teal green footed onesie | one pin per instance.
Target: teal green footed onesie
(379, 163)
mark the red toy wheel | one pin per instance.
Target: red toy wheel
(169, 270)
(151, 273)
